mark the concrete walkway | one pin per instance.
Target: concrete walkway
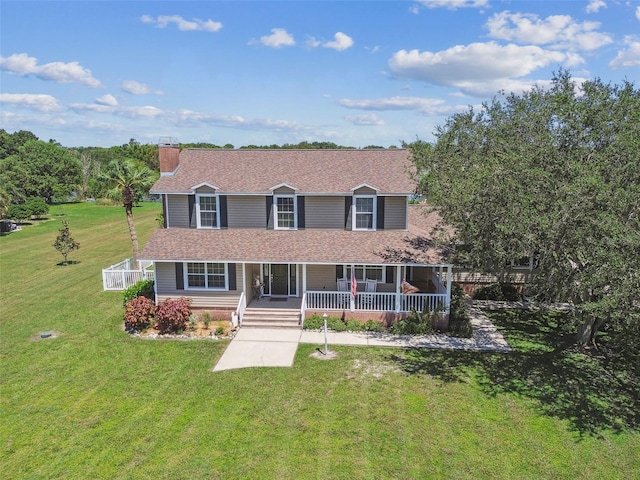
(273, 347)
(260, 347)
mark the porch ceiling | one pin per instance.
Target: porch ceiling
(301, 246)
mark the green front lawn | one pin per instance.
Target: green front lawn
(96, 403)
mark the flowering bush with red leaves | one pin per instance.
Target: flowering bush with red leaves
(172, 316)
(139, 314)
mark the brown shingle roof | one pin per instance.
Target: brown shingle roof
(308, 246)
(310, 171)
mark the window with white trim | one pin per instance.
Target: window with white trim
(365, 272)
(207, 211)
(211, 276)
(285, 212)
(527, 262)
(364, 217)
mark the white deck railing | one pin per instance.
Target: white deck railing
(122, 275)
(378, 301)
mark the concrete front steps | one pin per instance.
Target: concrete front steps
(271, 318)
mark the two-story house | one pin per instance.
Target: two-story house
(242, 227)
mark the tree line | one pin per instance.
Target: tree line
(31, 168)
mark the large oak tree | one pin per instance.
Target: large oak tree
(553, 172)
(40, 169)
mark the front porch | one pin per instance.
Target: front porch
(385, 307)
(381, 291)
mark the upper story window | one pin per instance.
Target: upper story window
(364, 217)
(206, 276)
(285, 212)
(208, 213)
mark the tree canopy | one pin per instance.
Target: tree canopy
(40, 169)
(553, 173)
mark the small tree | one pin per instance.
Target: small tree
(65, 243)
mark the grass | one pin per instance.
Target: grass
(97, 403)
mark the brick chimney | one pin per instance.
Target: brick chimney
(168, 155)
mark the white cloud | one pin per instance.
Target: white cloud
(454, 4)
(146, 111)
(478, 62)
(341, 42)
(313, 42)
(558, 31)
(59, 72)
(137, 88)
(278, 38)
(162, 21)
(367, 120)
(428, 106)
(629, 57)
(107, 99)
(39, 102)
(638, 13)
(595, 5)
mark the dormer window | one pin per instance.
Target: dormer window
(208, 214)
(364, 217)
(285, 212)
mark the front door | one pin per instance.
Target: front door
(279, 279)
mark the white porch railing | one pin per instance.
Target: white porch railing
(242, 305)
(423, 301)
(303, 308)
(122, 275)
(378, 301)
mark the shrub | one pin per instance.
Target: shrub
(354, 325)
(206, 320)
(373, 326)
(193, 322)
(459, 319)
(143, 288)
(172, 316)
(415, 323)
(220, 331)
(18, 212)
(336, 324)
(501, 291)
(138, 314)
(37, 206)
(316, 322)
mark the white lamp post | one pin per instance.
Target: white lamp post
(326, 349)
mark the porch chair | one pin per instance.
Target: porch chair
(343, 298)
(370, 287)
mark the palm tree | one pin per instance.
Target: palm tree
(126, 179)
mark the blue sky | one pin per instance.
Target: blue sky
(357, 73)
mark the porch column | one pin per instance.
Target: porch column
(398, 287)
(304, 278)
(352, 301)
(449, 282)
